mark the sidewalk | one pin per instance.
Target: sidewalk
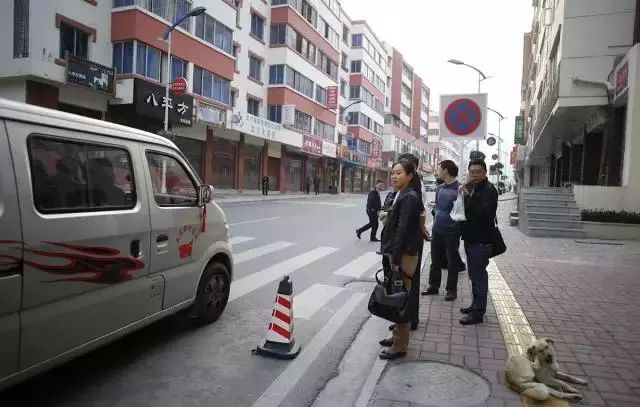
(225, 196)
(582, 295)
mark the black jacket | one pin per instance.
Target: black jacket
(402, 234)
(480, 210)
(374, 204)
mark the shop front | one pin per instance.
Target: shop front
(329, 168)
(354, 169)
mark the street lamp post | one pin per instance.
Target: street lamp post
(481, 77)
(500, 119)
(340, 138)
(167, 37)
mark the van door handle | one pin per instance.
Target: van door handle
(136, 253)
(162, 238)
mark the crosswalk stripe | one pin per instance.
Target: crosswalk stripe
(284, 384)
(256, 280)
(240, 239)
(426, 255)
(357, 267)
(260, 251)
(313, 299)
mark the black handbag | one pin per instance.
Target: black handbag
(499, 247)
(390, 302)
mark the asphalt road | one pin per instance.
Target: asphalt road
(173, 364)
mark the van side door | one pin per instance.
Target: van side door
(85, 217)
(10, 261)
(177, 239)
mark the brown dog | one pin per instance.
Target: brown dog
(536, 374)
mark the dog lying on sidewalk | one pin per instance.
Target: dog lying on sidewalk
(536, 374)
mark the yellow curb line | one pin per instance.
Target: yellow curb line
(516, 330)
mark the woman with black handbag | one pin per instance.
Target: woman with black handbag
(401, 241)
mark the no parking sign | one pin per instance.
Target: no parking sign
(463, 117)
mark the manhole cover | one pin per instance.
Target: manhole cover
(433, 384)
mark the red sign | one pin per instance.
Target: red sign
(514, 155)
(312, 145)
(376, 148)
(179, 86)
(462, 117)
(495, 156)
(332, 97)
(622, 78)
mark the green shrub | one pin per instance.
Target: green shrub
(611, 216)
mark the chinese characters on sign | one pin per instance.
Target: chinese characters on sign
(259, 127)
(87, 74)
(150, 101)
(519, 132)
(376, 148)
(514, 155)
(212, 115)
(312, 145)
(332, 97)
(622, 78)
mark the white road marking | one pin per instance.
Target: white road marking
(256, 280)
(254, 221)
(425, 255)
(313, 299)
(259, 251)
(287, 380)
(356, 268)
(240, 239)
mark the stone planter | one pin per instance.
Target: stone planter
(611, 231)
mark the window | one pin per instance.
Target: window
(214, 32)
(364, 146)
(299, 82)
(178, 68)
(406, 110)
(309, 13)
(183, 7)
(233, 96)
(123, 3)
(275, 113)
(171, 182)
(356, 66)
(425, 108)
(255, 66)
(324, 130)
(423, 124)
(302, 121)
(345, 62)
(236, 51)
(343, 88)
(74, 41)
(276, 74)
(356, 40)
(345, 34)
(329, 33)
(148, 61)
(278, 34)
(123, 57)
(211, 86)
(354, 92)
(159, 7)
(68, 176)
(20, 28)
(321, 95)
(257, 26)
(253, 106)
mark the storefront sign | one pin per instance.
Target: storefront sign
(329, 149)
(518, 137)
(376, 148)
(311, 145)
(87, 74)
(622, 78)
(288, 115)
(212, 115)
(514, 155)
(149, 101)
(256, 126)
(332, 97)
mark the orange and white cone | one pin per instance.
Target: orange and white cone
(279, 342)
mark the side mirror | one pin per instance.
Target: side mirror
(205, 194)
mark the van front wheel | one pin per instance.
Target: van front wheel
(212, 295)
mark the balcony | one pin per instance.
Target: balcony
(163, 9)
(548, 101)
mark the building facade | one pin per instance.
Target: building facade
(578, 102)
(270, 85)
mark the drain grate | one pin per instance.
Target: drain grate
(433, 384)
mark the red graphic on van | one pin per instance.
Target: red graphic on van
(88, 264)
(186, 238)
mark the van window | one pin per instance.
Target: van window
(68, 176)
(172, 184)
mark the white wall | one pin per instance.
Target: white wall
(14, 90)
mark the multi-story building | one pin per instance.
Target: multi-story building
(442, 150)
(268, 82)
(579, 101)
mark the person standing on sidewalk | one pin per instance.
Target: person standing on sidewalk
(374, 205)
(316, 185)
(478, 233)
(307, 185)
(445, 237)
(402, 242)
(265, 185)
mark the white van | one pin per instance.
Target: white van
(103, 229)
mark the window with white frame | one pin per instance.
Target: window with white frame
(214, 32)
(73, 41)
(253, 106)
(123, 57)
(255, 68)
(148, 61)
(257, 26)
(211, 86)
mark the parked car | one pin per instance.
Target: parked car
(103, 229)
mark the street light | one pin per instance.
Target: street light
(500, 119)
(340, 138)
(167, 37)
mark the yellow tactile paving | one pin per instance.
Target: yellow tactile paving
(516, 330)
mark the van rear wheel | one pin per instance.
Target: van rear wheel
(212, 295)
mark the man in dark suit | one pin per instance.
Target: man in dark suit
(374, 204)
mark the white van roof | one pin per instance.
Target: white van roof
(49, 117)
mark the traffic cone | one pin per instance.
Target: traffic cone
(279, 342)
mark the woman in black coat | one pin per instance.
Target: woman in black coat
(401, 241)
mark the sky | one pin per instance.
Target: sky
(486, 34)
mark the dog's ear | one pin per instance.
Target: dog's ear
(531, 353)
(549, 340)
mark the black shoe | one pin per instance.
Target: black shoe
(466, 310)
(471, 319)
(379, 253)
(358, 233)
(431, 291)
(391, 356)
(392, 327)
(414, 326)
(451, 295)
(375, 240)
(386, 342)
(463, 268)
